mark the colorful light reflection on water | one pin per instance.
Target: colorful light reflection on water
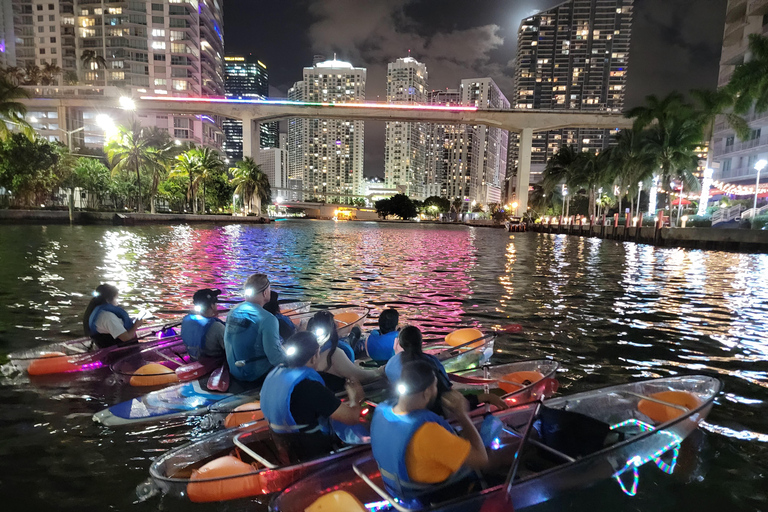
(610, 312)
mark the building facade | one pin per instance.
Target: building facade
(439, 155)
(7, 37)
(161, 47)
(327, 154)
(274, 163)
(404, 149)
(246, 78)
(733, 160)
(574, 56)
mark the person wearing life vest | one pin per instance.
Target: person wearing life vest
(418, 452)
(251, 335)
(380, 344)
(287, 328)
(410, 339)
(201, 330)
(107, 323)
(298, 405)
(337, 362)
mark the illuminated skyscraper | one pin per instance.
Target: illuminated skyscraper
(246, 78)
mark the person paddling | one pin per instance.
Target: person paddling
(418, 452)
(201, 330)
(410, 340)
(336, 364)
(380, 344)
(251, 335)
(298, 405)
(107, 323)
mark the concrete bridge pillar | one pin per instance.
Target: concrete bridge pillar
(524, 171)
(251, 138)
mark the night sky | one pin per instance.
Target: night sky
(675, 43)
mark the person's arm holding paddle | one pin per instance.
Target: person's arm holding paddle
(457, 408)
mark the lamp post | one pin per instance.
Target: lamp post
(759, 166)
(565, 193)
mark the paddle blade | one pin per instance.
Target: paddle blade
(510, 329)
(219, 379)
(196, 369)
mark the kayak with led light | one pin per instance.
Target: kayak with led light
(562, 444)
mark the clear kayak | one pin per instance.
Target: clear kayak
(246, 461)
(170, 363)
(82, 354)
(194, 398)
(559, 445)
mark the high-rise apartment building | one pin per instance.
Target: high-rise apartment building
(488, 144)
(156, 47)
(439, 155)
(328, 153)
(404, 149)
(274, 163)
(574, 56)
(734, 160)
(246, 78)
(7, 38)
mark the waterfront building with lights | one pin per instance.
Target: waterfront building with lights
(405, 142)
(246, 78)
(143, 47)
(327, 154)
(574, 56)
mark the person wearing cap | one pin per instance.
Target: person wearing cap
(298, 405)
(107, 323)
(418, 452)
(252, 335)
(201, 330)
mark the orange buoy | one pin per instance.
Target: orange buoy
(661, 413)
(345, 319)
(246, 413)
(523, 378)
(336, 501)
(153, 374)
(461, 336)
(50, 363)
(214, 482)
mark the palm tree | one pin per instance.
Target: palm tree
(629, 163)
(14, 74)
(251, 183)
(49, 73)
(92, 60)
(132, 150)
(164, 155)
(187, 165)
(749, 82)
(210, 163)
(560, 169)
(591, 171)
(32, 74)
(710, 104)
(456, 206)
(12, 112)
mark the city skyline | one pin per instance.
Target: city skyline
(456, 43)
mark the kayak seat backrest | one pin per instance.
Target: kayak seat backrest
(661, 413)
(346, 318)
(336, 501)
(462, 336)
(524, 378)
(225, 478)
(571, 433)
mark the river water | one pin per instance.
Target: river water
(610, 312)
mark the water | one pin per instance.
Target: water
(610, 312)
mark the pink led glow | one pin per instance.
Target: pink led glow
(313, 104)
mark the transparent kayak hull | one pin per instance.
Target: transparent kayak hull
(171, 472)
(615, 405)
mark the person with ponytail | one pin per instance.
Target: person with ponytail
(337, 365)
(298, 405)
(107, 323)
(410, 341)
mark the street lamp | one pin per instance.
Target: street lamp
(565, 193)
(759, 166)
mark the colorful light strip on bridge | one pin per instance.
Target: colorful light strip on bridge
(390, 106)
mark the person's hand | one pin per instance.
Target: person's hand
(138, 323)
(495, 400)
(455, 404)
(355, 391)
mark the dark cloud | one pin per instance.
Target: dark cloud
(675, 43)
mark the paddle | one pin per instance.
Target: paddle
(219, 379)
(196, 369)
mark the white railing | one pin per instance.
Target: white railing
(727, 214)
(752, 212)
(69, 91)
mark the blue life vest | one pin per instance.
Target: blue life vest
(243, 342)
(381, 347)
(194, 329)
(120, 312)
(343, 346)
(390, 435)
(287, 327)
(276, 399)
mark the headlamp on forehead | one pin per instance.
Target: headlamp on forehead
(322, 335)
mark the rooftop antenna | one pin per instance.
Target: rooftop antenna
(334, 55)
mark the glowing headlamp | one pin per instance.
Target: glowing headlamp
(402, 389)
(95, 293)
(249, 292)
(198, 308)
(290, 351)
(322, 336)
